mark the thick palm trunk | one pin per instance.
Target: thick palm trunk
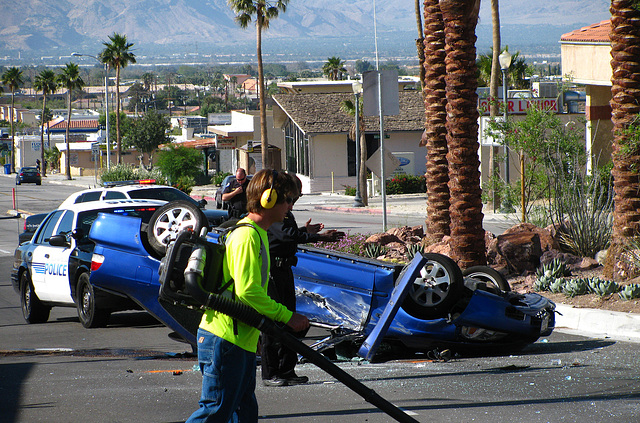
(264, 142)
(625, 105)
(44, 106)
(435, 134)
(467, 235)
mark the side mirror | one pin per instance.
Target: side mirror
(59, 241)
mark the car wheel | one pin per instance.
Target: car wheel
(17, 181)
(38, 183)
(33, 310)
(88, 312)
(436, 290)
(488, 275)
(169, 220)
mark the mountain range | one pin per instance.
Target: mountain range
(307, 28)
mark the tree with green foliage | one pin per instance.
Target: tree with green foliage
(70, 79)
(517, 72)
(148, 132)
(117, 54)
(125, 124)
(178, 162)
(334, 69)
(13, 79)
(362, 66)
(262, 11)
(44, 82)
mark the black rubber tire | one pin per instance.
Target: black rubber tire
(90, 315)
(169, 220)
(436, 290)
(489, 275)
(33, 310)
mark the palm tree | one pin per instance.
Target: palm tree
(117, 54)
(45, 82)
(349, 107)
(71, 80)
(12, 78)
(420, 41)
(334, 68)
(467, 235)
(435, 134)
(262, 11)
(625, 107)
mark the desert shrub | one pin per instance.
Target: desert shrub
(406, 184)
(352, 244)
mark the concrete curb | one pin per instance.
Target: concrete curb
(599, 323)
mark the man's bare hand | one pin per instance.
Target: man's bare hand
(298, 322)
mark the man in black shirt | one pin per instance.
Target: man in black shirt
(235, 194)
(278, 361)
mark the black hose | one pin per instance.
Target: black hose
(251, 317)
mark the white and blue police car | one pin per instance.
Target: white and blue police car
(53, 268)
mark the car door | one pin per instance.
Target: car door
(51, 263)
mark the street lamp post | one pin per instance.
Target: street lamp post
(106, 103)
(357, 90)
(505, 61)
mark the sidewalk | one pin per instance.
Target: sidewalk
(593, 322)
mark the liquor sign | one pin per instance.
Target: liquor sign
(225, 143)
(519, 106)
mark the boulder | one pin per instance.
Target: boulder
(547, 241)
(521, 250)
(382, 239)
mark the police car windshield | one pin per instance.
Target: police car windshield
(164, 194)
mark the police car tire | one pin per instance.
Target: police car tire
(33, 310)
(88, 312)
(169, 220)
(436, 290)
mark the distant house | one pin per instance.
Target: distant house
(316, 142)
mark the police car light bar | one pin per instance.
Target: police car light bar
(132, 182)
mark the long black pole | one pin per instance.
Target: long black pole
(248, 315)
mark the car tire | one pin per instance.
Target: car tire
(171, 219)
(436, 290)
(17, 182)
(33, 310)
(489, 275)
(38, 183)
(90, 315)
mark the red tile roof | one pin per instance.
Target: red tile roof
(595, 33)
(77, 124)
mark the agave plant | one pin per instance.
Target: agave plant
(412, 250)
(554, 269)
(557, 285)
(374, 250)
(601, 287)
(630, 292)
(576, 287)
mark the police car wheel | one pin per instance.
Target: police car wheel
(171, 219)
(88, 312)
(33, 310)
(436, 289)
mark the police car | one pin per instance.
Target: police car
(144, 189)
(53, 268)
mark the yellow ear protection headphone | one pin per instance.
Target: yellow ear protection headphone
(269, 196)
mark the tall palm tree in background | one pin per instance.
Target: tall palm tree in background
(334, 68)
(46, 83)
(117, 54)
(12, 78)
(494, 80)
(70, 79)
(420, 42)
(349, 107)
(262, 11)
(625, 107)
(435, 134)
(467, 235)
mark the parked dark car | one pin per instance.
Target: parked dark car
(29, 174)
(342, 292)
(31, 224)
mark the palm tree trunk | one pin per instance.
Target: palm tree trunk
(420, 42)
(66, 138)
(13, 139)
(364, 195)
(625, 105)
(44, 106)
(264, 142)
(435, 134)
(118, 143)
(467, 235)
(493, 85)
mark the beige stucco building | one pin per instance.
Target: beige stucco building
(586, 60)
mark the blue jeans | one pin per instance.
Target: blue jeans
(228, 382)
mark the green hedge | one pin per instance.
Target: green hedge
(406, 184)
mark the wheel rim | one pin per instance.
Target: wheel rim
(432, 286)
(169, 225)
(27, 300)
(86, 301)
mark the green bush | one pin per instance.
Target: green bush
(406, 184)
(126, 172)
(179, 161)
(352, 244)
(219, 177)
(348, 190)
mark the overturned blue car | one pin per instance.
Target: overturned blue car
(427, 304)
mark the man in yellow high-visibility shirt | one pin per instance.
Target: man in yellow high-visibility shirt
(226, 347)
